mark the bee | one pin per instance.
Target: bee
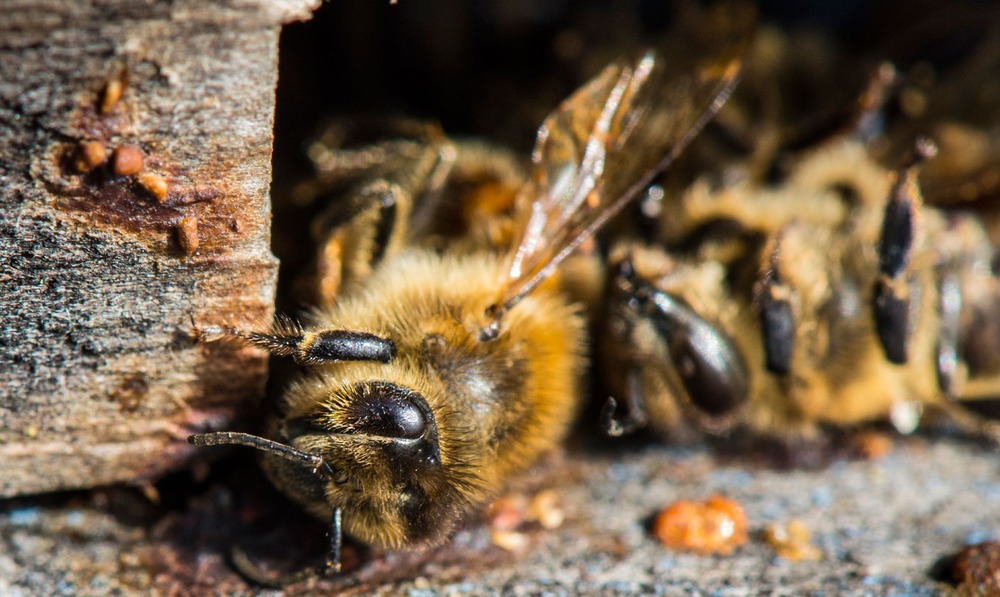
(832, 297)
(441, 372)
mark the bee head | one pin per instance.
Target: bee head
(380, 443)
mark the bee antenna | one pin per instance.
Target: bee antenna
(233, 438)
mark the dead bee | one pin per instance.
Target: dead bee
(807, 284)
(834, 298)
(442, 372)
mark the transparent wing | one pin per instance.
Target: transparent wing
(605, 143)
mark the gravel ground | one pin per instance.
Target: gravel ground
(880, 524)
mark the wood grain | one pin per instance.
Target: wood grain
(101, 275)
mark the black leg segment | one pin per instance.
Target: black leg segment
(309, 348)
(330, 346)
(891, 303)
(777, 318)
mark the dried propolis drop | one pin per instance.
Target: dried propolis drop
(716, 526)
(187, 234)
(128, 160)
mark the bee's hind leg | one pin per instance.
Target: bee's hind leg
(968, 365)
(773, 302)
(896, 246)
(891, 305)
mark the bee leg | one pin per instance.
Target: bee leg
(434, 182)
(891, 304)
(984, 408)
(708, 365)
(309, 348)
(331, 565)
(772, 300)
(252, 572)
(635, 415)
(981, 399)
(354, 235)
(893, 289)
(400, 186)
(976, 415)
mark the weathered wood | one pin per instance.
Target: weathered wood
(101, 274)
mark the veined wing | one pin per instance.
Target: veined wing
(605, 143)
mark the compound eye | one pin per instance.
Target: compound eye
(389, 410)
(708, 365)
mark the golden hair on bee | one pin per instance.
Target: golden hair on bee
(398, 451)
(490, 408)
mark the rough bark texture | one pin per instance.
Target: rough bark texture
(100, 279)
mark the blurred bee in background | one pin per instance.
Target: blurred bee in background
(806, 311)
(445, 357)
(805, 284)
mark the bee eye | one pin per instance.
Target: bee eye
(710, 369)
(390, 410)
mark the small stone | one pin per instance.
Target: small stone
(976, 569)
(792, 541)
(544, 509)
(871, 445)
(509, 540)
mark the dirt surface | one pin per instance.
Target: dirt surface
(880, 525)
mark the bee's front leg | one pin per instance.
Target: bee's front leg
(331, 564)
(307, 348)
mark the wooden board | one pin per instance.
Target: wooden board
(101, 274)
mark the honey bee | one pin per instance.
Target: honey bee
(440, 372)
(832, 297)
